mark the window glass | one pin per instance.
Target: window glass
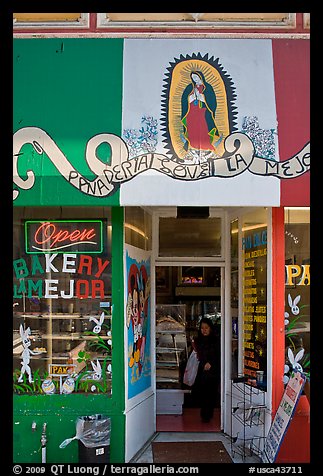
(306, 20)
(46, 17)
(190, 237)
(254, 293)
(271, 18)
(148, 17)
(297, 290)
(62, 329)
(234, 296)
(245, 17)
(138, 228)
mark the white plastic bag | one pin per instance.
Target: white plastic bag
(92, 430)
(191, 369)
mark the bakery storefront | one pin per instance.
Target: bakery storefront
(142, 206)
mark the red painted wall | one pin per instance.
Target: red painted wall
(295, 447)
(278, 305)
(292, 88)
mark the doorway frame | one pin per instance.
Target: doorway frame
(223, 262)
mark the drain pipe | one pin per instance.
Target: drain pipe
(43, 441)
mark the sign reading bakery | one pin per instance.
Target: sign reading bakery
(54, 276)
(61, 236)
(64, 259)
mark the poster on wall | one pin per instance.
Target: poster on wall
(138, 320)
(254, 247)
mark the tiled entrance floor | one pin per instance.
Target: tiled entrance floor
(146, 456)
(189, 421)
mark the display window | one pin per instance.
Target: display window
(234, 229)
(194, 237)
(138, 228)
(254, 294)
(297, 291)
(249, 306)
(62, 300)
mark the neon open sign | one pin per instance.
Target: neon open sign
(61, 236)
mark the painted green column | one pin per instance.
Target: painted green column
(69, 89)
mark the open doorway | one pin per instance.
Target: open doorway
(184, 295)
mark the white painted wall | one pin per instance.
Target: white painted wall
(140, 409)
(140, 426)
(249, 63)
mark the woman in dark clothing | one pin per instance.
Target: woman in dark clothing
(206, 384)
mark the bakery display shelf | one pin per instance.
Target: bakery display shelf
(166, 380)
(170, 332)
(45, 356)
(163, 350)
(63, 316)
(171, 345)
(166, 363)
(74, 336)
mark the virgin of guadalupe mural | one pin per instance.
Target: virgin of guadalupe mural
(200, 139)
(198, 109)
(198, 115)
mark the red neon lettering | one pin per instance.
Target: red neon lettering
(45, 231)
(48, 232)
(59, 237)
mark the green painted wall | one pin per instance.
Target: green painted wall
(60, 412)
(72, 89)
